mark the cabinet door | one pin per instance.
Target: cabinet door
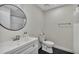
(34, 51)
(31, 50)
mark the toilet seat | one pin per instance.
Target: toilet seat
(48, 43)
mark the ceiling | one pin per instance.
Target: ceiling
(46, 7)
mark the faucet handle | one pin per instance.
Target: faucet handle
(25, 32)
(17, 37)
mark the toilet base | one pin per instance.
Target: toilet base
(47, 49)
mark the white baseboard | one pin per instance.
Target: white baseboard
(62, 48)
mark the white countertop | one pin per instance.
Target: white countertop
(10, 45)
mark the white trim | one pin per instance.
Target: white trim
(63, 48)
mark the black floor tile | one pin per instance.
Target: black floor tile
(59, 51)
(40, 51)
(55, 51)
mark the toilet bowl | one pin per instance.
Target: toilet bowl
(44, 41)
(46, 45)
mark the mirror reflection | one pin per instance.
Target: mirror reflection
(12, 17)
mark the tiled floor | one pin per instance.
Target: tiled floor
(55, 51)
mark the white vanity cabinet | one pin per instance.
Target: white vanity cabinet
(27, 48)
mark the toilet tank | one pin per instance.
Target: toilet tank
(41, 37)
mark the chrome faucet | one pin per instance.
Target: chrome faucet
(25, 32)
(16, 38)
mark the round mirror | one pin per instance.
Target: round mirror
(12, 17)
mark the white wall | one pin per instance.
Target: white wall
(61, 35)
(33, 26)
(76, 37)
(76, 30)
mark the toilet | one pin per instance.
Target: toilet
(46, 45)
